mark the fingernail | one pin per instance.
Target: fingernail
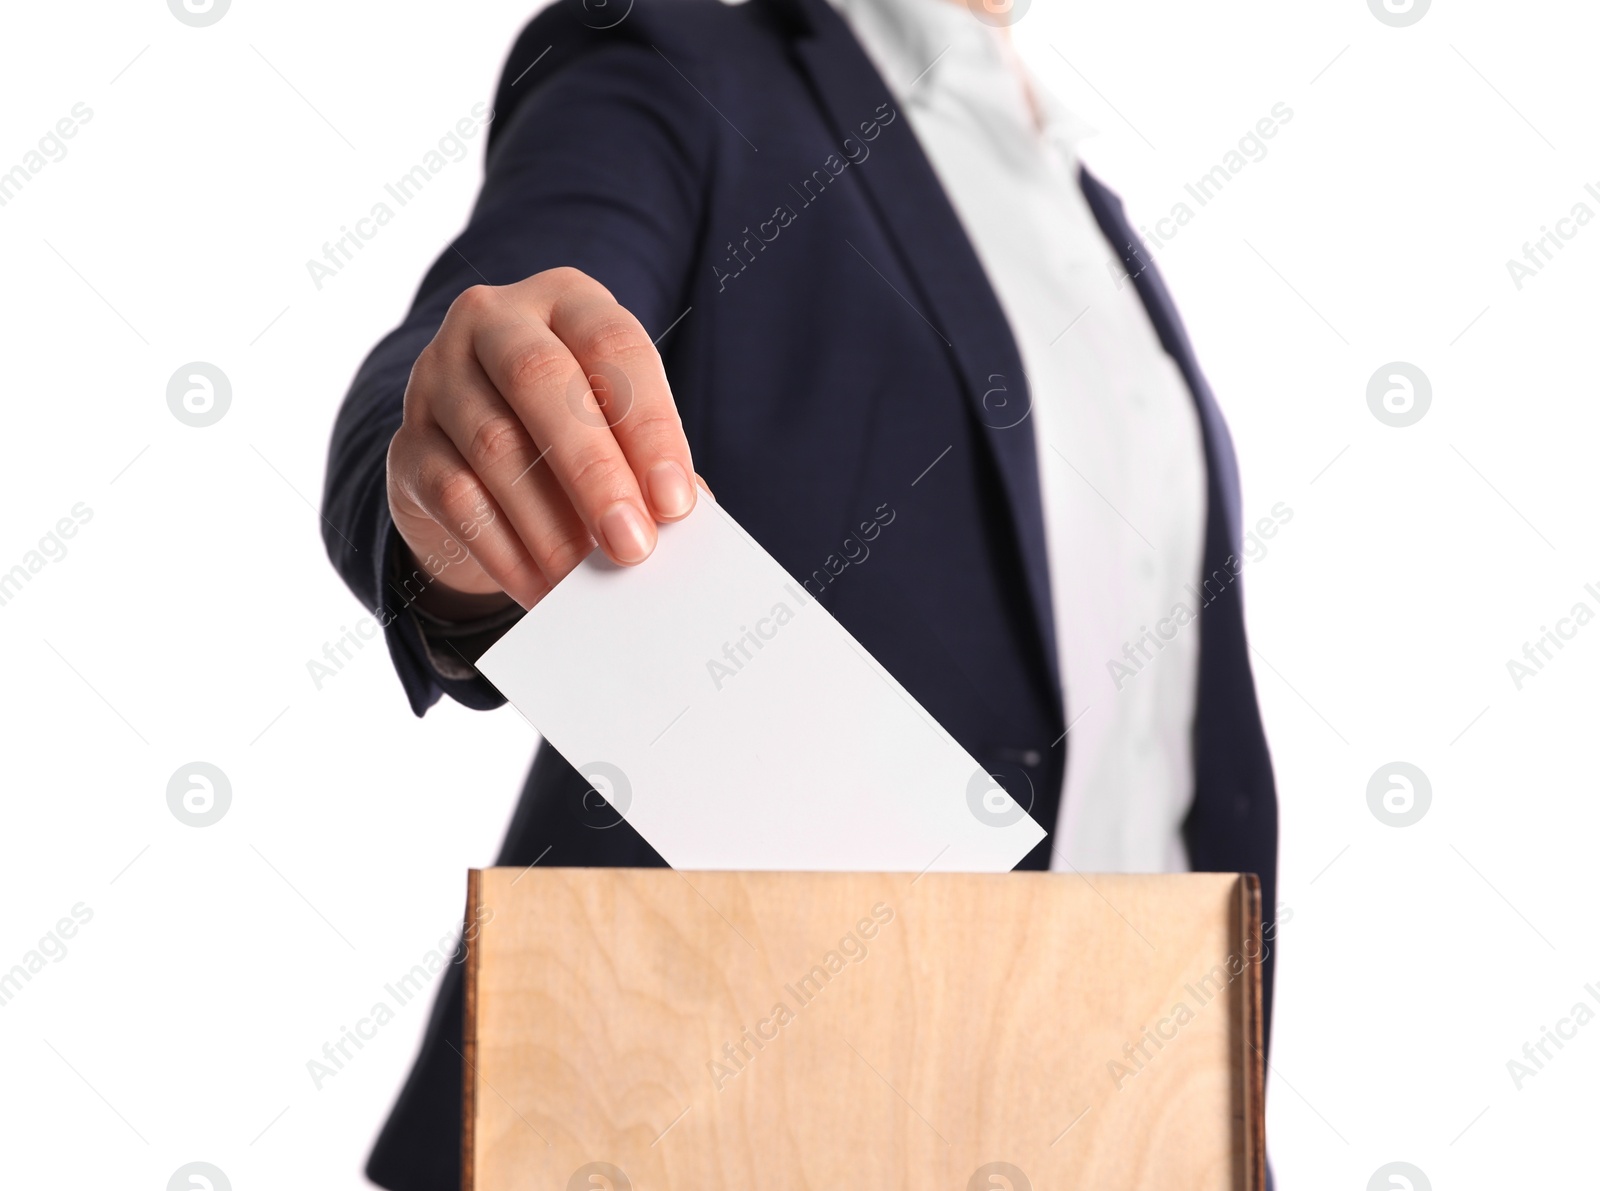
(626, 535)
(670, 491)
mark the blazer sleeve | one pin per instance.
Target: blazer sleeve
(602, 167)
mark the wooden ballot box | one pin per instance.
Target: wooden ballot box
(655, 1030)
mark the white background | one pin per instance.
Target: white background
(1417, 961)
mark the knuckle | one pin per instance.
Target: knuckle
(402, 448)
(521, 573)
(615, 338)
(532, 366)
(458, 496)
(565, 280)
(594, 470)
(660, 428)
(473, 301)
(427, 375)
(561, 555)
(498, 440)
(411, 466)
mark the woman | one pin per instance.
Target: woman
(838, 257)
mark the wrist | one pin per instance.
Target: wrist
(436, 600)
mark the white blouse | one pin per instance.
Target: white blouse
(1121, 461)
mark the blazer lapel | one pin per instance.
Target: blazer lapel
(1220, 462)
(952, 289)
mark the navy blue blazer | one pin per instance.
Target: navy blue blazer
(741, 180)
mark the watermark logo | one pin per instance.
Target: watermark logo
(1399, 794)
(1399, 394)
(1398, 1176)
(1399, 13)
(854, 550)
(199, 14)
(1537, 1053)
(1143, 1051)
(337, 1055)
(51, 948)
(999, 12)
(1143, 649)
(50, 148)
(199, 394)
(1536, 654)
(1536, 254)
(852, 948)
(1002, 409)
(604, 14)
(449, 149)
(605, 799)
(599, 1176)
(600, 397)
(1250, 148)
(198, 1176)
(990, 802)
(741, 651)
(51, 548)
(199, 794)
(998, 1176)
(744, 252)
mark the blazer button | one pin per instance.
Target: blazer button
(1028, 757)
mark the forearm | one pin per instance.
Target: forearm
(623, 214)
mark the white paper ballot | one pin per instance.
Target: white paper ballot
(735, 723)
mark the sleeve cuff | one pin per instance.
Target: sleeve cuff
(454, 646)
(432, 661)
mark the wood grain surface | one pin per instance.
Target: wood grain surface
(650, 1030)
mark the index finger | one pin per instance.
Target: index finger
(624, 387)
